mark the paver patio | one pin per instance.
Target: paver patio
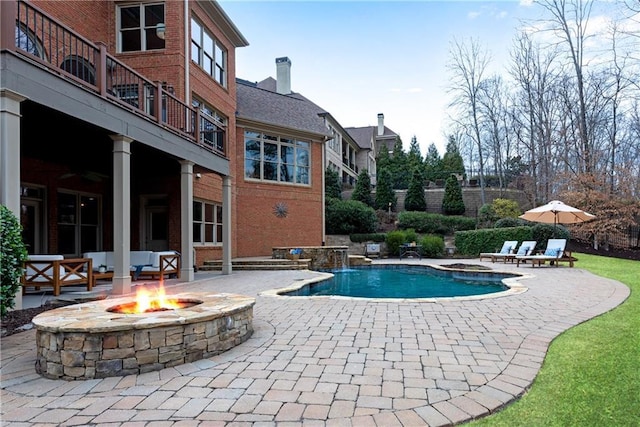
(330, 361)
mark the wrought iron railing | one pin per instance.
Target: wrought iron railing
(65, 53)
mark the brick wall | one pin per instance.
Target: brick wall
(258, 228)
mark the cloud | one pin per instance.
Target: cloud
(526, 3)
(473, 15)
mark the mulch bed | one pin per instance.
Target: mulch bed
(20, 320)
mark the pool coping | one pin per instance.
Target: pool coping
(513, 283)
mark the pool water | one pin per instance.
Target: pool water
(399, 282)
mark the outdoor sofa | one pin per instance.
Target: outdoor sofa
(54, 271)
(143, 263)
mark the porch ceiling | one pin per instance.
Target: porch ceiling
(45, 88)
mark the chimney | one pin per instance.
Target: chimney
(283, 76)
(380, 124)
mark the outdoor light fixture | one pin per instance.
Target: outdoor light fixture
(160, 30)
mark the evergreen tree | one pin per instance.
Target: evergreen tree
(332, 185)
(362, 192)
(384, 158)
(414, 158)
(399, 170)
(433, 164)
(384, 190)
(452, 203)
(415, 200)
(452, 161)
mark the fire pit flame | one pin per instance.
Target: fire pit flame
(148, 302)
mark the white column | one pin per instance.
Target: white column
(10, 150)
(186, 213)
(10, 159)
(226, 226)
(121, 214)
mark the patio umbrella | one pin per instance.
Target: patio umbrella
(556, 212)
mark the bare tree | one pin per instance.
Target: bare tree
(468, 65)
(569, 23)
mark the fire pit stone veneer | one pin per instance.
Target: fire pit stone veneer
(85, 341)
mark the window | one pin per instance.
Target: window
(207, 223)
(27, 41)
(213, 125)
(208, 53)
(138, 25)
(276, 158)
(78, 223)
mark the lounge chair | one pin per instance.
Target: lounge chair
(554, 253)
(526, 248)
(508, 247)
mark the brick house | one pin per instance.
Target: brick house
(118, 128)
(369, 140)
(280, 169)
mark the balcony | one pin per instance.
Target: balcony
(29, 32)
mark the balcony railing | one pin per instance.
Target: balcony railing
(34, 34)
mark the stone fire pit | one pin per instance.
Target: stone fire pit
(86, 341)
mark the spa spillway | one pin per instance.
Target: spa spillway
(98, 340)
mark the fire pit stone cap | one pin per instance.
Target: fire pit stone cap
(93, 317)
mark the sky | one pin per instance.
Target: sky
(356, 59)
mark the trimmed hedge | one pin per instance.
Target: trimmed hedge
(472, 243)
(423, 222)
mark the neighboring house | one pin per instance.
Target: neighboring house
(280, 165)
(119, 128)
(343, 153)
(370, 140)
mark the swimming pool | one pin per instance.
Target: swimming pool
(403, 281)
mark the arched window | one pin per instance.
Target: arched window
(79, 67)
(27, 41)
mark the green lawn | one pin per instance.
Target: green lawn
(591, 375)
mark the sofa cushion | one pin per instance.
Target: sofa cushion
(98, 259)
(141, 258)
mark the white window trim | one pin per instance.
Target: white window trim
(143, 39)
(280, 144)
(200, 60)
(218, 242)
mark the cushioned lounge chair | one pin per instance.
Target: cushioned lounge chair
(554, 253)
(508, 247)
(526, 248)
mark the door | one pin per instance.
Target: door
(156, 229)
(31, 221)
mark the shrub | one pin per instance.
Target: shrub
(12, 254)
(472, 243)
(428, 223)
(432, 246)
(506, 208)
(509, 222)
(410, 235)
(486, 216)
(368, 237)
(541, 233)
(394, 240)
(349, 216)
